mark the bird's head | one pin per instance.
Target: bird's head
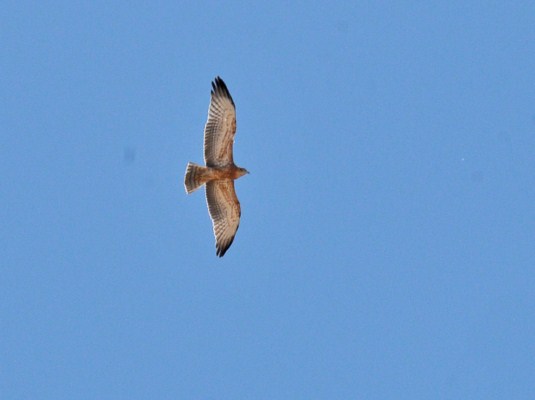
(242, 171)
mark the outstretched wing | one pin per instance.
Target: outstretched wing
(221, 126)
(225, 212)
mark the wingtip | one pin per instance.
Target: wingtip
(220, 88)
(217, 82)
(222, 249)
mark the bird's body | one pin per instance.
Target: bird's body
(220, 171)
(199, 175)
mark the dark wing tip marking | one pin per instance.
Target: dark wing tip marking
(221, 250)
(219, 88)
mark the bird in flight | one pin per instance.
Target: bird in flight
(220, 171)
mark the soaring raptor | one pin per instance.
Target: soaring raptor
(220, 170)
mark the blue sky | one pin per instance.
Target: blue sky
(386, 247)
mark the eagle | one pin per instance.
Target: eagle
(220, 171)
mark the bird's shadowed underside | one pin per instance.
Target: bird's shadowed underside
(220, 171)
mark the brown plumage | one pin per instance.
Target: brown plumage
(220, 171)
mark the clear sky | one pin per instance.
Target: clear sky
(386, 247)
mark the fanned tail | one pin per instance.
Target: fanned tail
(196, 176)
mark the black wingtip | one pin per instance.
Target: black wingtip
(220, 88)
(221, 250)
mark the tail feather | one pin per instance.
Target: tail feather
(195, 177)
